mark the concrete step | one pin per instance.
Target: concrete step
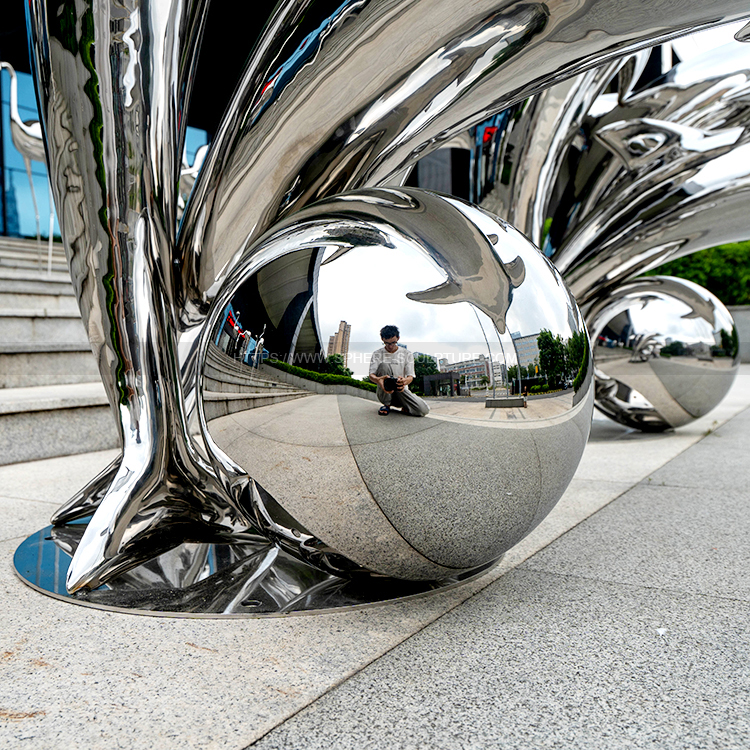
(222, 373)
(24, 365)
(23, 289)
(216, 379)
(41, 327)
(59, 420)
(27, 244)
(32, 261)
(27, 300)
(27, 253)
(36, 290)
(220, 404)
(17, 276)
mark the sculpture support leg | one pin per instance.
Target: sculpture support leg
(112, 85)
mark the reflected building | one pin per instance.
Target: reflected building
(527, 348)
(472, 370)
(339, 342)
(19, 189)
(500, 372)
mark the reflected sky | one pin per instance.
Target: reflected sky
(664, 317)
(367, 288)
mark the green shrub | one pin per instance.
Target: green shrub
(317, 377)
(723, 270)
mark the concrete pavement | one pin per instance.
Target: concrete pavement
(622, 621)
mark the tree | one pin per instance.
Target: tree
(723, 270)
(676, 348)
(513, 372)
(576, 351)
(334, 365)
(552, 357)
(730, 343)
(423, 365)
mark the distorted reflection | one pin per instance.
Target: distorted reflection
(666, 352)
(231, 579)
(474, 316)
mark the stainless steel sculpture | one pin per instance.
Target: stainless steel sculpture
(330, 101)
(380, 491)
(666, 352)
(627, 177)
(628, 180)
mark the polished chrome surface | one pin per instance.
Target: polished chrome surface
(613, 184)
(382, 491)
(113, 78)
(611, 181)
(335, 100)
(330, 100)
(231, 580)
(666, 352)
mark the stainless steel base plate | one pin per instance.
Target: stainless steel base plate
(254, 579)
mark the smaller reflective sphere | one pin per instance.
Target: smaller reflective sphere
(444, 476)
(666, 352)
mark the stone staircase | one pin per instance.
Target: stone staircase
(52, 402)
(27, 254)
(230, 386)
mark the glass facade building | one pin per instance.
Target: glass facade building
(17, 215)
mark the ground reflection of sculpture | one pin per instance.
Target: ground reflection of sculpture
(393, 361)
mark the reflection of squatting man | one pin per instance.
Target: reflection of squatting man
(396, 362)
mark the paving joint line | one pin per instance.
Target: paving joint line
(640, 586)
(515, 567)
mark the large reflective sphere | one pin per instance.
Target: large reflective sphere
(666, 352)
(466, 474)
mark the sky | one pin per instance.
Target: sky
(689, 46)
(367, 288)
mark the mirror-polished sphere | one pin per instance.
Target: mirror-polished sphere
(666, 352)
(420, 483)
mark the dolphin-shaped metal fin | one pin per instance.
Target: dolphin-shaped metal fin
(491, 291)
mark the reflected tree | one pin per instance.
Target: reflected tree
(576, 352)
(552, 356)
(730, 342)
(423, 365)
(334, 365)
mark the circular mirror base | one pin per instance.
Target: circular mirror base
(255, 579)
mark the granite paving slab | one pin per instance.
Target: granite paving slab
(53, 479)
(662, 537)
(542, 660)
(72, 677)
(21, 515)
(719, 463)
